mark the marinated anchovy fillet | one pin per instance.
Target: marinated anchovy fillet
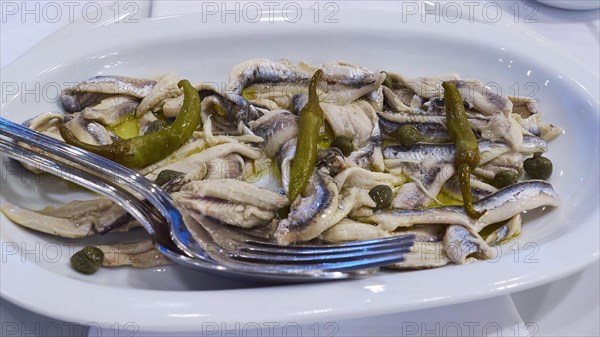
(74, 220)
(333, 152)
(138, 254)
(279, 82)
(501, 206)
(275, 128)
(111, 111)
(445, 152)
(95, 89)
(231, 202)
(310, 215)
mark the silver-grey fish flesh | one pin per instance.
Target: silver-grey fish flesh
(445, 152)
(275, 128)
(95, 89)
(500, 206)
(311, 215)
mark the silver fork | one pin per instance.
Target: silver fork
(219, 248)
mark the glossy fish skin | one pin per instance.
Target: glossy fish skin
(445, 152)
(111, 111)
(87, 131)
(311, 215)
(479, 189)
(76, 219)
(284, 71)
(462, 246)
(231, 201)
(483, 98)
(433, 127)
(432, 132)
(95, 89)
(276, 129)
(500, 206)
(237, 109)
(279, 82)
(75, 102)
(284, 161)
(263, 71)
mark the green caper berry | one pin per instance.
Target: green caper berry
(505, 178)
(538, 167)
(156, 126)
(83, 264)
(344, 144)
(94, 254)
(408, 135)
(166, 176)
(382, 195)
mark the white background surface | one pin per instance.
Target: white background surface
(565, 307)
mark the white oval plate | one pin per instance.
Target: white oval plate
(35, 272)
(579, 5)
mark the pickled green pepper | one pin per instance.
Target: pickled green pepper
(311, 119)
(144, 150)
(466, 156)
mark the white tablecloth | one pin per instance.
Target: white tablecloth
(568, 307)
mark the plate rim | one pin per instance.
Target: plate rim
(182, 324)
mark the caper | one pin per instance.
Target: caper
(538, 167)
(344, 144)
(505, 178)
(83, 264)
(155, 126)
(408, 135)
(166, 176)
(382, 195)
(94, 254)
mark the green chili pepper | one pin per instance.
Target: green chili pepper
(466, 156)
(144, 150)
(326, 136)
(311, 119)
